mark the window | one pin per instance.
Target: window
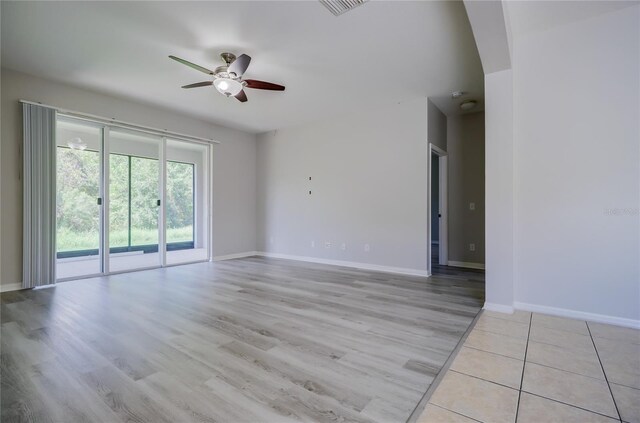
(133, 193)
(77, 212)
(180, 207)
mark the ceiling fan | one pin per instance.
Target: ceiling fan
(227, 79)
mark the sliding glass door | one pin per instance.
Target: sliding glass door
(111, 216)
(134, 200)
(78, 199)
(187, 185)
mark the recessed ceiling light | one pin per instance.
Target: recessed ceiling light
(468, 105)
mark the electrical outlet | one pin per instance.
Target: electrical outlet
(343, 246)
(472, 206)
(313, 244)
(327, 244)
(367, 248)
(472, 247)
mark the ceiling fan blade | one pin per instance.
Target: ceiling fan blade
(198, 84)
(240, 65)
(261, 85)
(192, 65)
(241, 96)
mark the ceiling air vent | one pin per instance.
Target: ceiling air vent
(338, 7)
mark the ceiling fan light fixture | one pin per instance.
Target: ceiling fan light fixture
(227, 86)
(77, 144)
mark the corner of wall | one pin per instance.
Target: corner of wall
(499, 189)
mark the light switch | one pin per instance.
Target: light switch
(472, 206)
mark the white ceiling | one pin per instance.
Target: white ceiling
(374, 55)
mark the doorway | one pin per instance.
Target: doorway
(437, 254)
(128, 200)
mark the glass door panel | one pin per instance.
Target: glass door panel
(134, 193)
(187, 199)
(78, 209)
(145, 192)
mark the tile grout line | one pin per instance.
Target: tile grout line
(484, 380)
(569, 405)
(455, 412)
(563, 370)
(491, 352)
(625, 386)
(524, 364)
(606, 379)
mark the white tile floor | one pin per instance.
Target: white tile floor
(529, 367)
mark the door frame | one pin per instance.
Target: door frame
(443, 198)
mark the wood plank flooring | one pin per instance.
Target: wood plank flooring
(242, 340)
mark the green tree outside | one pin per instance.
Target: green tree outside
(78, 215)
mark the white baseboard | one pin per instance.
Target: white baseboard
(581, 315)
(356, 265)
(10, 287)
(500, 308)
(466, 264)
(235, 256)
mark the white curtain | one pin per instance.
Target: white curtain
(39, 197)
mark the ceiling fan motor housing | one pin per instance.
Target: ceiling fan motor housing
(221, 72)
(228, 58)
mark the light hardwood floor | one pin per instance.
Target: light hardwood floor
(243, 340)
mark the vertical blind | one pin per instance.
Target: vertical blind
(39, 195)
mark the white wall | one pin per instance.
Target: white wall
(499, 196)
(576, 99)
(466, 174)
(234, 165)
(368, 186)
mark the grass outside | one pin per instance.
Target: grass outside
(68, 240)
